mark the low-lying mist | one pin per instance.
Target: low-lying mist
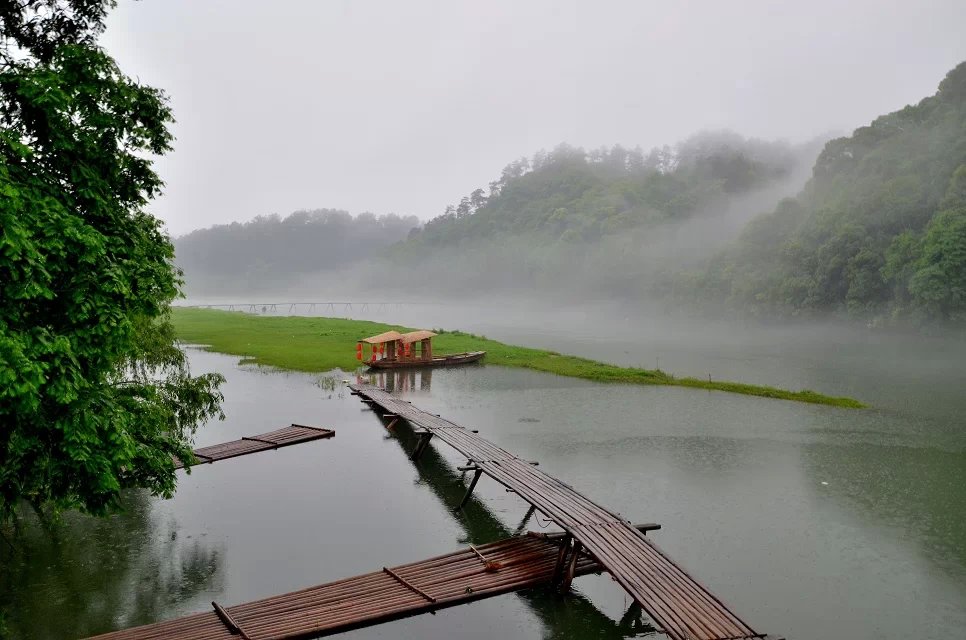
(566, 225)
(625, 267)
(871, 230)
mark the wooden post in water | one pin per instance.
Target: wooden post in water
(561, 558)
(571, 567)
(469, 490)
(526, 518)
(424, 439)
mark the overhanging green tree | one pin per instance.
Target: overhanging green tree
(95, 397)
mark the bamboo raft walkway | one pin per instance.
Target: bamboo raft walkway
(294, 434)
(682, 607)
(456, 578)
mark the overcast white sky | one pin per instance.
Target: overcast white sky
(405, 106)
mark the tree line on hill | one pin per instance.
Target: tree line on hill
(271, 253)
(604, 223)
(878, 233)
(569, 194)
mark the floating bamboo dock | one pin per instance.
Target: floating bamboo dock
(593, 540)
(294, 434)
(456, 578)
(682, 607)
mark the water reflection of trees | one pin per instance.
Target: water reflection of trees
(569, 617)
(81, 576)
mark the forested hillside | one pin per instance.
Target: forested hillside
(569, 194)
(271, 253)
(605, 222)
(878, 233)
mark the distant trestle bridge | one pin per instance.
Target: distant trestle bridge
(309, 307)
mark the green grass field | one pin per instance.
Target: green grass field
(322, 344)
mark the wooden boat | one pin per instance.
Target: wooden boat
(394, 350)
(450, 360)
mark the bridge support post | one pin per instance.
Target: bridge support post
(631, 620)
(424, 439)
(526, 519)
(469, 490)
(571, 567)
(561, 559)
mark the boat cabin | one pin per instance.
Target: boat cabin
(415, 347)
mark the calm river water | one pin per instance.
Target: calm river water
(810, 521)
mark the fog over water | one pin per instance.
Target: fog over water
(917, 376)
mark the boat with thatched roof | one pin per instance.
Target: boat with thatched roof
(394, 350)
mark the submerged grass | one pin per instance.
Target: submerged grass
(321, 344)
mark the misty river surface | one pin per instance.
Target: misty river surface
(810, 521)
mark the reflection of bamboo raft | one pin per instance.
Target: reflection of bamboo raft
(436, 361)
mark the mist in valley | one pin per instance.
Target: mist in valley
(638, 145)
(602, 241)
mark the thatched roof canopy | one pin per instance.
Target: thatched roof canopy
(416, 336)
(389, 336)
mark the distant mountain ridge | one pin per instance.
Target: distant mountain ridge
(271, 253)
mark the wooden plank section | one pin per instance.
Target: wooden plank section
(679, 604)
(389, 594)
(294, 434)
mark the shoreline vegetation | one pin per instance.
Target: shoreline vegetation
(316, 344)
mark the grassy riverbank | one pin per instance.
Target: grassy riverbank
(322, 344)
